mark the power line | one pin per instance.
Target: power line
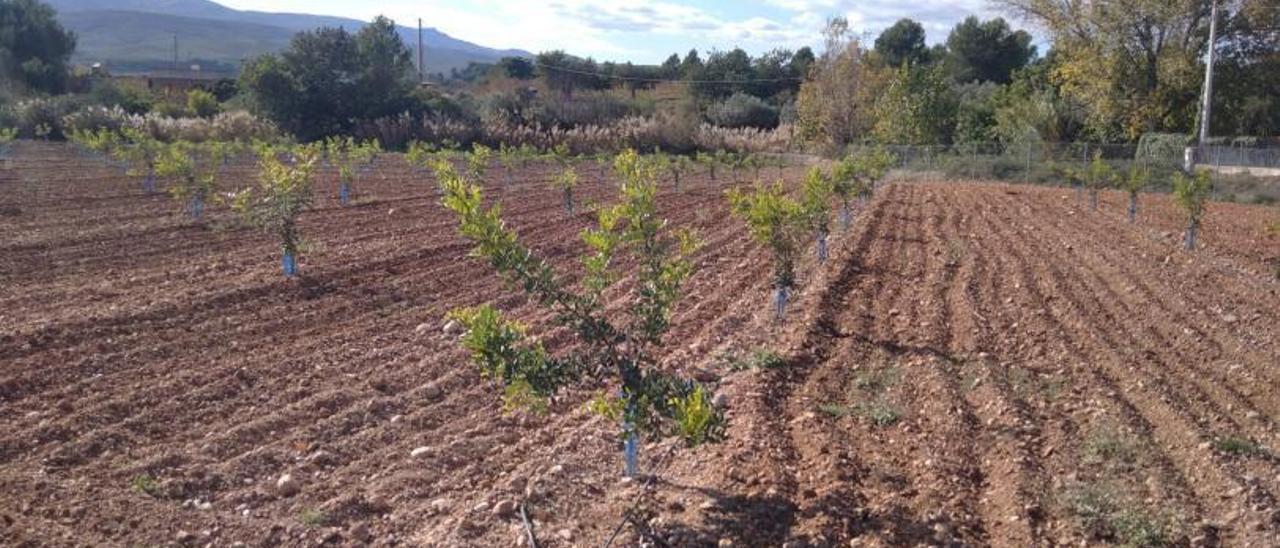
(662, 80)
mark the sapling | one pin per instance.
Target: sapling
(420, 155)
(1133, 183)
(1099, 176)
(348, 156)
(676, 165)
(507, 159)
(191, 175)
(478, 162)
(1191, 194)
(7, 136)
(566, 181)
(816, 201)
(709, 161)
(625, 354)
(140, 155)
(776, 221)
(283, 192)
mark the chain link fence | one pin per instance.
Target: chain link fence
(1250, 174)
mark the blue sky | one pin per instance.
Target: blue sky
(639, 30)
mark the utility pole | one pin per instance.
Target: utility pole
(1206, 106)
(422, 69)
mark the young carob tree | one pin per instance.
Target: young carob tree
(1192, 194)
(191, 173)
(776, 221)
(7, 136)
(622, 354)
(1097, 177)
(348, 156)
(566, 181)
(816, 201)
(283, 192)
(1133, 183)
(140, 153)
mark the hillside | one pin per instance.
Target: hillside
(139, 33)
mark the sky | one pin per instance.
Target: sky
(642, 31)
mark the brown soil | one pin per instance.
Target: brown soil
(977, 364)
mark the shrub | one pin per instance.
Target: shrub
(1191, 194)
(1162, 149)
(775, 221)
(139, 152)
(282, 194)
(649, 400)
(202, 104)
(741, 110)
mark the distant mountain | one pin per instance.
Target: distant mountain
(136, 34)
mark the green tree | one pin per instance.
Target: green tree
(987, 51)
(917, 108)
(623, 353)
(816, 203)
(902, 43)
(1133, 183)
(35, 50)
(832, 105)
(1133, 63)
(328, 80)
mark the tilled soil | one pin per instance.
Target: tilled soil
(976, 364)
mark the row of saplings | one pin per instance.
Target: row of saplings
(1190, 193)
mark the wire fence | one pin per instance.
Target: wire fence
(1239, 173)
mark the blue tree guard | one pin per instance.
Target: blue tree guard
(780, 296)
(197, 206)
(1191, 235)
(149, 183)
(344, 193)
(822, 246)
(1133, 208)
(290, 264)
(846, 215)
(631, 452)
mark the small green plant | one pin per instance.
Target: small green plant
(676, 166)
(1133, 183)
(566, 181)
(1106, 515)
(835, 410)
(776, 221)
(1192, 194)
(145, 484)
(282, 194)
(1233, 445)
(420, 155)
(1097, 177)
(507, 158)
(757, 359)
(191, 172)
(313, 518)
(138, 151)
(879, 413)
(876, 380)
(1108, 445)
(648, 400)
